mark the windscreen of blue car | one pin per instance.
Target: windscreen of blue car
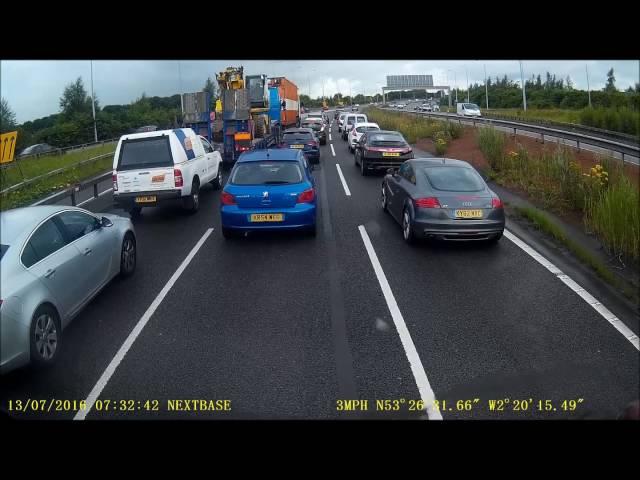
(266, 173)
(453, 179)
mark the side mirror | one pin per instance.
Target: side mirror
(105, 222)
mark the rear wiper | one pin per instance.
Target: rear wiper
(275, 182)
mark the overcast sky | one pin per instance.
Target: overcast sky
(33, 88)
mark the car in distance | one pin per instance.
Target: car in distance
(381, 150)
(269, 190)
(37, 149)
(318, 127)
(356, 132)
(155, 167)
(350, 120)
(302, 139)
(468, 110)
(53, 260)
(442, 199)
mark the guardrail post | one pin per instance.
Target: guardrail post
(95, 190)
(514, 131)
(578, 144)
(73, 196)
(542, 136)
(622, 159)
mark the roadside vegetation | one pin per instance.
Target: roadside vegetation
(604, 196)
(31, 167)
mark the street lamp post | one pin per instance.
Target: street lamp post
(467, 70)
(455, 84)
(486, 86)
(93, 106)
(524, 94)
(588, 87)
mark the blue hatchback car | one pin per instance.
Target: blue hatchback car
(269, 190)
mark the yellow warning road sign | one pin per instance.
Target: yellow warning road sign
(8, 146)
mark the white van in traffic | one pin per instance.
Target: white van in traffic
(153, 167)
(350, 120)
(468, 110)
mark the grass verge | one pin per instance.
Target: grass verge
(24, 196)
(33, 167)
(544, 224)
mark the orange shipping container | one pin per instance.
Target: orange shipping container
(288, 92)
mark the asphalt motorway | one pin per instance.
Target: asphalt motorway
(283, 326)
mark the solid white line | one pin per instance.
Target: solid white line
(111, 368)
(426, 393)
(330, 139)
(581, 292)
(344, 182)
(333, 152)
(93, 198)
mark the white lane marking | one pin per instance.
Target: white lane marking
(426, 393)
(333, 152)
(330, 139)
(586, 296)
(111, 368)
(92, 198)
(344, 182)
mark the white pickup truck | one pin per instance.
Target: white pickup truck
(153, 167)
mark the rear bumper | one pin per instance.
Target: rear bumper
(458, 230)
(301, 216)
(385, 163)
(127, 200)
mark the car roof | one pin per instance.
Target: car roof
(156, 133)
(19, 221)
(439, 162)
(269, 154)
(393, 132)
(367, 124)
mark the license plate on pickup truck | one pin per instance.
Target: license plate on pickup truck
(146, 199)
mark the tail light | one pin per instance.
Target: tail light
(114, 177)
(307, 196)
(228, 199)
(177, 177)
(496, 203)
(428, 202)
(313, 144)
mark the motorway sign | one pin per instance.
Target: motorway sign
(8, 146)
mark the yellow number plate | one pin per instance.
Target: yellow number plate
(390, 154)
(297, 146)
(149, 199)
(468, 213)
(267, 217)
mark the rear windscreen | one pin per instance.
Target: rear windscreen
(297, 137)
(145, 153)
(266, 173)
(366, 129)
(456, 179)
(3, 249)
(386, 140)
(316, 126)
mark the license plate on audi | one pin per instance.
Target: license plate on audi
(468, 213)
(267, 217)
(147, 199)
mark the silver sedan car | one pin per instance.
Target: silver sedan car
(53, 260)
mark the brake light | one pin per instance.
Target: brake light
(228, 199)
(307, 196)
(313, 144)
(114, 177)
(428, 202)
(496, 202)
(177, 177)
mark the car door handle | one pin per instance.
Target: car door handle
(87, 251)
(49, 273)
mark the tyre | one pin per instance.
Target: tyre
(383, 200)
(355, 159)
(128, 255)
(135, 212)
(229, 233)
(313, 230)
(407, 232)
(217, 182)
(363, 166)
(192, 202)
(45, 336)
(494, 240)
